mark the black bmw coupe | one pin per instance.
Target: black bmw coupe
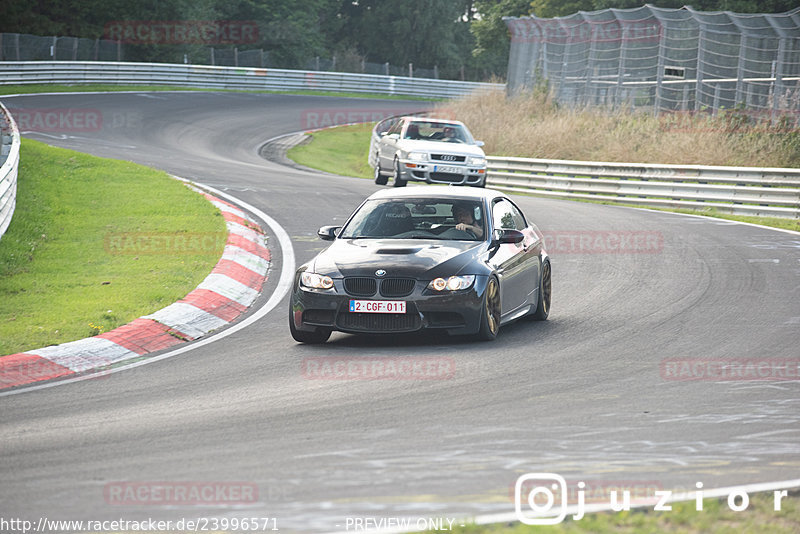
(460, 260)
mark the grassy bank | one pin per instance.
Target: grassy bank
(534, 126)
(714, 518)
(342, 150)
(95, 243)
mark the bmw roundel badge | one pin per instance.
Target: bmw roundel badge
(380, 272)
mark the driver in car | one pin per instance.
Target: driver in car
(465, 222)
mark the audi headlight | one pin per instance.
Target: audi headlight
(453, 283)
(316, 281)
(477, 161)
(418, 156)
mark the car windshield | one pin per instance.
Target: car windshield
(418, 218)
(437, 131)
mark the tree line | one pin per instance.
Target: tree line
(460, 37)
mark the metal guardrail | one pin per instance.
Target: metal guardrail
(215, 77)
(765, 192)
(9, 163)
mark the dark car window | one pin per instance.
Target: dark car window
(417, 218)
(437, 131)
(506, 216)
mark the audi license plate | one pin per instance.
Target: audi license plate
(447, 168)
(378, 306)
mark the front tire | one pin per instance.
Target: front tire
(490, 312)
(314, 337)
(380, 179)
(545, 294)
(398, 181)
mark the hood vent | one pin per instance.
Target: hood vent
(397, 251)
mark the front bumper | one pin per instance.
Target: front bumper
(457, 312)
(429, 172)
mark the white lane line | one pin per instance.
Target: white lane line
(154, 97)
(284, 284)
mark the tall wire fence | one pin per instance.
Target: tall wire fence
(24, 47)
(662, 59)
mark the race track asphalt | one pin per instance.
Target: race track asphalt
(585, 394)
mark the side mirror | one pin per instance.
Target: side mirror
(478, 143)
(384, 133)
(508, 236)
(394, 136)
(328, 233)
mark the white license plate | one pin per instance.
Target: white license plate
(377, 306)
(446, 168)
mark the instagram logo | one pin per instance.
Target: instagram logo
(541, 490)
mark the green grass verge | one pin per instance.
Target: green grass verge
(94, 243)
(46, 88)
(343, 150)
(715, 518)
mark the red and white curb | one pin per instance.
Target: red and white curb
(233, 285)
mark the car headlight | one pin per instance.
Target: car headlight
(316, 281)
(418, 156)
(453, 283)
(477, 161)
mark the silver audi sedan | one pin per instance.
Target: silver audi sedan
(422, 149)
